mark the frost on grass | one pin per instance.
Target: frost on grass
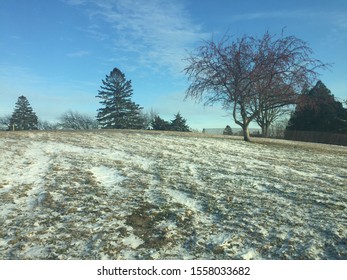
(141, 195)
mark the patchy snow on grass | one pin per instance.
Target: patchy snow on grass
(183, 199)
(132, 241)
(108, 178)
(158, 195)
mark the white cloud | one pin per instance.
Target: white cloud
(154, 33)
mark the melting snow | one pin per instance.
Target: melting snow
(132, 241)
(141, 195)
(109, 178)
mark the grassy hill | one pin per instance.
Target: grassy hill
(165, 195)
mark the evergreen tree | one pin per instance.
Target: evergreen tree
(23, 117)
(118, 110)
(227, 130)
(318, 110)
(179, 123)
(159, 124)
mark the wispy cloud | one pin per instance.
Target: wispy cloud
(26, 74)
(337, 18)
(156, 32)
(95, 32)
(332, 24)
(74, 2)
(79, 53)
(269, 15)
(340, 21)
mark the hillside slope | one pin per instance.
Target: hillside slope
(141, 195)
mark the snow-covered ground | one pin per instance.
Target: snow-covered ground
(142, 195)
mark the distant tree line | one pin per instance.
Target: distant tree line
(177, 124)
(228, 73)
(118, 111)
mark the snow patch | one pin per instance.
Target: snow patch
(182, 198)
(132, 241)
(221, 239)
(108, 178)
(250, 254)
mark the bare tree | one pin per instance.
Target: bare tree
(266, 118)
(46, 125)
(249, 75)
(5, 120)
(278, 127)
(148, 118)
(75, 120)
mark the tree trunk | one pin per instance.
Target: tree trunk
(246, 134)
(265, 130)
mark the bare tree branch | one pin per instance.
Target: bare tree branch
(76, 121)
(249, 75)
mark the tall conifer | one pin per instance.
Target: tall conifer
(118, 110)
(179, 123)
(23, 117)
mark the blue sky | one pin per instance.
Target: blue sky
(56, 52)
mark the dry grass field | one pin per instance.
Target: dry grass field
(150, 195)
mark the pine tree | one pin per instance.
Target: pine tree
(118, 110)
(319, 111)
(159, 124)
(179, 123)
(227, 130)
(23, 117)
